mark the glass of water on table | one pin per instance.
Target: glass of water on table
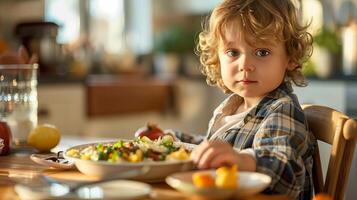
(18, 99)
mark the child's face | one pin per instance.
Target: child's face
(252, 71)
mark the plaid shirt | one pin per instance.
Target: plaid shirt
(277, 132)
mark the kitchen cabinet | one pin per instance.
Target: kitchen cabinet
(125, 95)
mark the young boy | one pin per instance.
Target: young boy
(254, 49)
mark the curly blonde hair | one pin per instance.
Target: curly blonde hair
(258, 19)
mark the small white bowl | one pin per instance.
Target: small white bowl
(249, 183)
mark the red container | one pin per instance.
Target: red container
(5, 134)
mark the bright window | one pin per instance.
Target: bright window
(66, 14)
(107, 25)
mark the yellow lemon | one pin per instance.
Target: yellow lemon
(44, 137)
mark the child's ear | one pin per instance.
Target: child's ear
(292, 66)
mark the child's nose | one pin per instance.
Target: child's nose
(246, 64)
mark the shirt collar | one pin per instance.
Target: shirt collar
(284, 89)
(230, 105)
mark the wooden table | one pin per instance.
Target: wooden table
(19, 165)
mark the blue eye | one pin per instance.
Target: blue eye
(262, 53)
(232, 53)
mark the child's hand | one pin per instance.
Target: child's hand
(213, 154)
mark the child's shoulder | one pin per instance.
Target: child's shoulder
(283, 96)
(283, 101)
(286, 104)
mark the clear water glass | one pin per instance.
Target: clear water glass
(18, 99)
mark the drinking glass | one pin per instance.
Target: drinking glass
(18, 99)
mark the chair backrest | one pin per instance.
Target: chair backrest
(337, 129)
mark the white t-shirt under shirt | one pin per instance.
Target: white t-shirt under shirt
(229, 121)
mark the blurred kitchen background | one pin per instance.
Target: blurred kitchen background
(107, 67)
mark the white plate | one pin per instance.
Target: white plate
(119, 189)
(158, 170)
(249, 183)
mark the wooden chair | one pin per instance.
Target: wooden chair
(340, 131)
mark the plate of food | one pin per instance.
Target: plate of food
(161, 154)
(222, 183)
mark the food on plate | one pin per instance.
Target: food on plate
(73, 153)
(203, 180)
(322, 196)
(44, 137)
(138, 150)
(180, 154)
(151, 131)
(226, 178)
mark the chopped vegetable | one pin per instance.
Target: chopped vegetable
(181, 154)
(203, 180)
(73, 153)
(226, 177)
